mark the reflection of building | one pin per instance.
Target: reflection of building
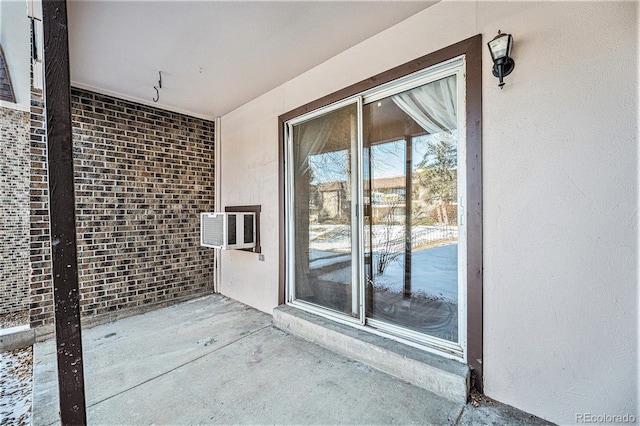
(387, 198)
(330, 201)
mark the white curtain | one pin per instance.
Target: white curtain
(432, 106)
(311, 140)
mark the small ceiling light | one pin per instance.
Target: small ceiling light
(500, 48)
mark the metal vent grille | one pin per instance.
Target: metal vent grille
(228, 231)
(212, 233)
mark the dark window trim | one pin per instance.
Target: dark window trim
(248, 209)
(472, 49)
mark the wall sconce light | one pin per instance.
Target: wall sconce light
(500, 48)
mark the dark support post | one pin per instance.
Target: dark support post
(408, 193)
(62, 211)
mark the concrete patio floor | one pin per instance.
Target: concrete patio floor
(216, 361)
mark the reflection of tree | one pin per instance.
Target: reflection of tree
(329, 166)
(387, 159)
(390, 249)
(437, 174)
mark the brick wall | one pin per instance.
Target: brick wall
(14, 211)
(142, 177)
(41, 291)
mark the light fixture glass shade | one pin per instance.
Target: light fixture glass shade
(500, 47)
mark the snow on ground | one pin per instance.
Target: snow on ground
(319, 259)
(338, 237)
(16, 382)
(434, 271)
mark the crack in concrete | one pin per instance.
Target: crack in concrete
(464, 407)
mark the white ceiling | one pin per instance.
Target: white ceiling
(214, 56)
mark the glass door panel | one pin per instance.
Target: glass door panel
(324, 196)
(411, 209)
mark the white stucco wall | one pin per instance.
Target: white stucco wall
(560, 179)
(15, 40)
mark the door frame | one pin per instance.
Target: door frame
(471, 48)
(356, 211)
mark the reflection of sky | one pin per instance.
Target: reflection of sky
(329, 167)
(388, 160)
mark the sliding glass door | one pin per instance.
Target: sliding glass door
(376, 199)
(411, 149)
(324, 152)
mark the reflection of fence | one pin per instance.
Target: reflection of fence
(424, 235)
(384, 237)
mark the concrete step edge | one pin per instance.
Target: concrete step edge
(17, 340)
(442, 376)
